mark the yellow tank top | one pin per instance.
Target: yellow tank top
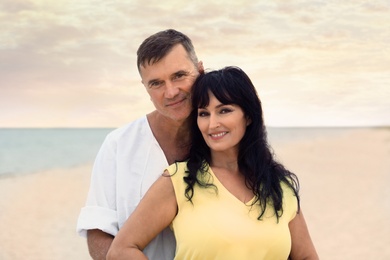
(219, 226)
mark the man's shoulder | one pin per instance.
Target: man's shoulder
(134, 129)
(137, 131)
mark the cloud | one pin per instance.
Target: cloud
(76, 59)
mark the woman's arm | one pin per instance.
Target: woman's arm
(155, 212)
(302, 246)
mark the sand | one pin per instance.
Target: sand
(344, 190)
(39, 214)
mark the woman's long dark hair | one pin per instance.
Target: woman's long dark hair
(263, 174)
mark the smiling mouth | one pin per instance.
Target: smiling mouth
(218, 135)
(175, 103)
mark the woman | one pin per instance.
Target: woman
(230, 199)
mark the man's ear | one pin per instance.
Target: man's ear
(200, 67)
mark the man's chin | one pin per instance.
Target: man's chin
(180, 116)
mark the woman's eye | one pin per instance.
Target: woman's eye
(202, 114)
(225, 111)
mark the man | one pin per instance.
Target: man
(132, 157)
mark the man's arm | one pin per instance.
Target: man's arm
(98, 243)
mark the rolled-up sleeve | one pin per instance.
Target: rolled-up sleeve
(93, 217)
(100, 210)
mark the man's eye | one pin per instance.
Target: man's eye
(178, 76)
(155, 84)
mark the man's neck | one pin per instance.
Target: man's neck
(173, 136)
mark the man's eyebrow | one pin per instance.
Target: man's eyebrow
(180, 72)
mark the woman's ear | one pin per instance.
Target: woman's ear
(248, 121)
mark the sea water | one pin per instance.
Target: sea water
(24, 150)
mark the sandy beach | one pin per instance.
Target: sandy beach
(345, 197)
(39, 214)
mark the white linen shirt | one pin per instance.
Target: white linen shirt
(128, 162)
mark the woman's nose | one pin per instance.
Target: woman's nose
(214, 122)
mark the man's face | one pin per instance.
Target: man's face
(169, 82)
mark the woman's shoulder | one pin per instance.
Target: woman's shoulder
(177, 167)
(290, 199)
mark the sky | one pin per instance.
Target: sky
(71, 63)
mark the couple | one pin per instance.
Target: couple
(225, 198)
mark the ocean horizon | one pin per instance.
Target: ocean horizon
(29, 150)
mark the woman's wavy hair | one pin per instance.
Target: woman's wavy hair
(263, 174)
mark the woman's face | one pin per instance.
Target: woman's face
(222, 126)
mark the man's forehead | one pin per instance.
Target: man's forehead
(159, 71)
(176, 54)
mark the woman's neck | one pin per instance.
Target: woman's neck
(224, 160)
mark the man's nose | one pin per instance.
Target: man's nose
(171, 90)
